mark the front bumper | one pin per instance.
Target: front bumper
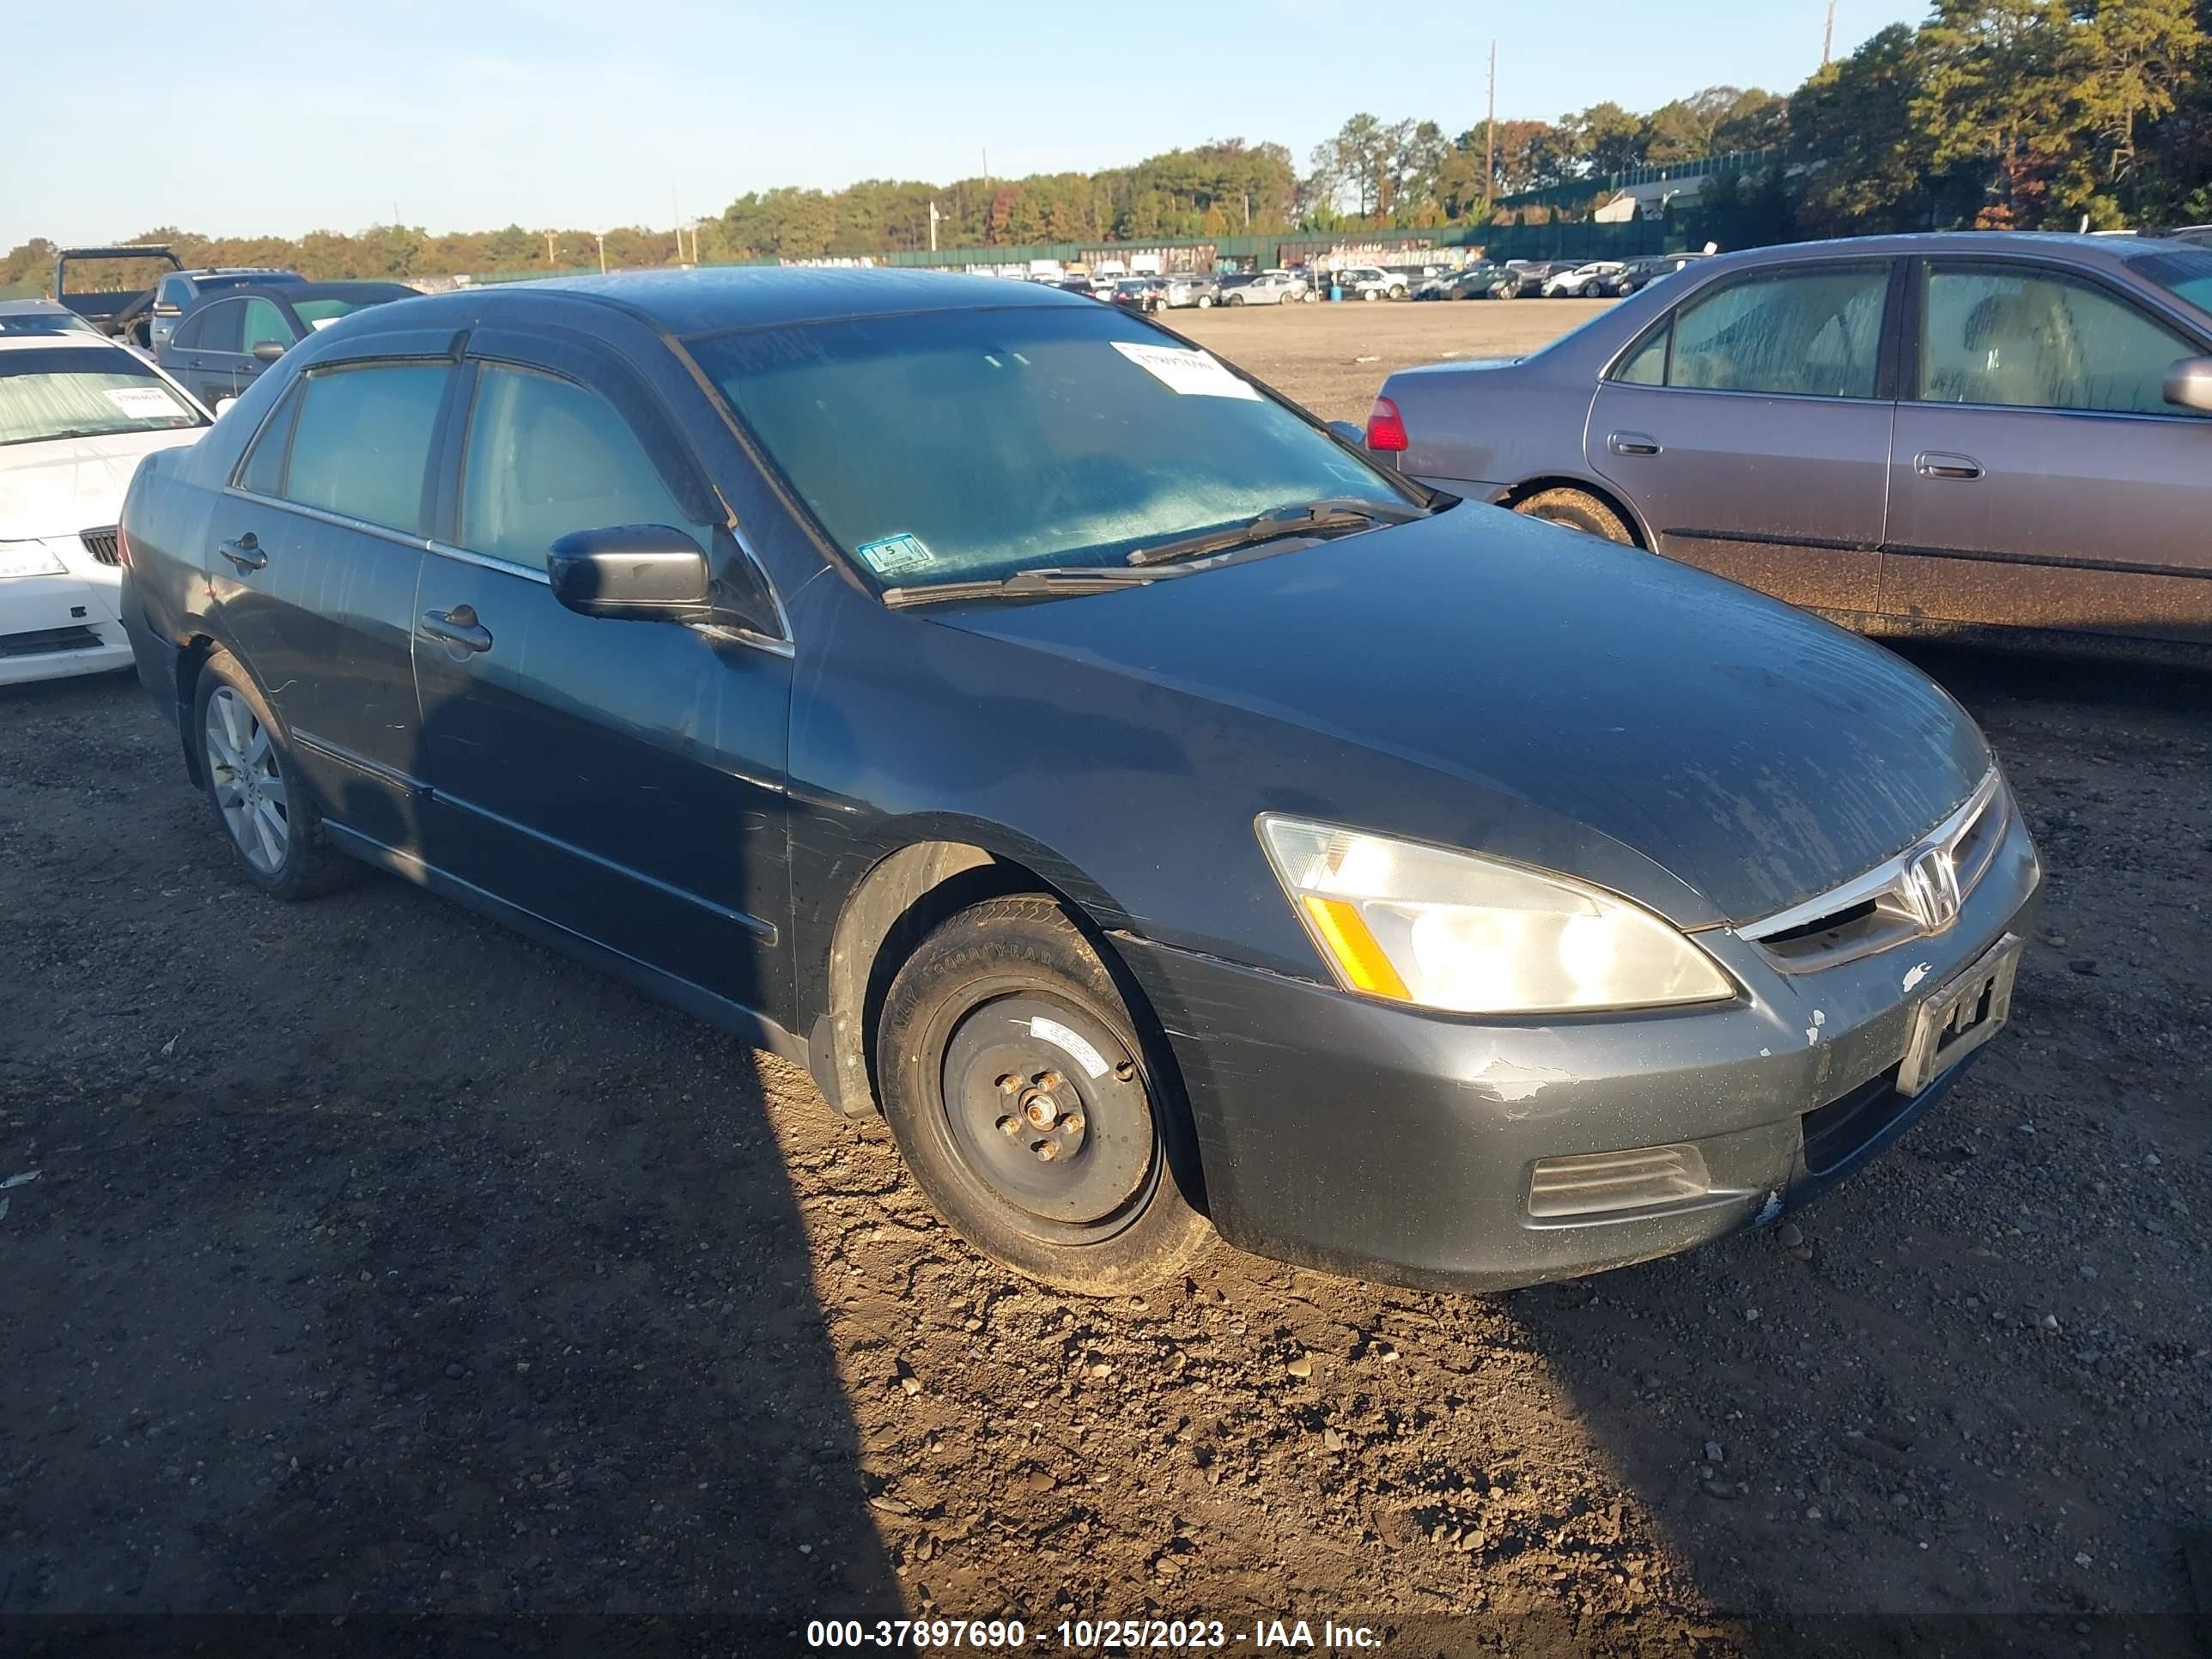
(54, 626)
(1361, 1137)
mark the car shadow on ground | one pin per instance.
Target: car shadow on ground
(496, 1301)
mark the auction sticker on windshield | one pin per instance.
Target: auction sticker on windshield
(894, 555)
(1189, 373)
(139, 402)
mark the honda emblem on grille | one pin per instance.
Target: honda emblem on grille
(1930, 888)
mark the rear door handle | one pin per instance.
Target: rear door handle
(458, 626)
(1935, 464)
(246, 552)
(1632, 443)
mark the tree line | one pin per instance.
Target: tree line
(1998, 113)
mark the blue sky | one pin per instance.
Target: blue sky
(265, 116)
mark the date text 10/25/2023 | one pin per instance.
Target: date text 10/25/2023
(983, 1636)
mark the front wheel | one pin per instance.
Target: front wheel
(1234, 299)
(1025, 1103)
(1205, 301)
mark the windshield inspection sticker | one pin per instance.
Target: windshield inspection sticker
(1188, 374)
(894, 555)
(142, 402)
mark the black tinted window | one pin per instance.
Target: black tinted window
(215, 327)
(264, 471)
(362, 442)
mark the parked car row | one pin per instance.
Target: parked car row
(1964, 431)
(448, 554)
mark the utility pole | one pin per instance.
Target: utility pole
(549, 250)
(934, 216)
(602, 235)
(1828, 36)
(1490, 133)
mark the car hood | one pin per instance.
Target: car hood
(68, 484)
(1553, 688)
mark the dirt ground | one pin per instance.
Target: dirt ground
(361, 1258)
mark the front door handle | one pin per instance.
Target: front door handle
(458, 626)
(246, 552)
(1632, 443)
(1935, 464)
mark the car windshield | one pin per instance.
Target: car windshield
(321, 313)
(966, 444)
(63, 391)
(2189, 274)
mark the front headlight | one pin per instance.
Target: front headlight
(29, 559)
(1448, 929)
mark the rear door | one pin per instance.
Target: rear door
(1750, 430)
(319, 543)
(2037, 476)
(621, 780)
(206, 349)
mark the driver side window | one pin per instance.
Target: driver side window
(1798, 333)
(545, 457)
(2034, 339)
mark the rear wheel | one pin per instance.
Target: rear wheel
(1205, 301)
(257, 790)
(1021, 1098)
(1579, 510)
(1234, 299)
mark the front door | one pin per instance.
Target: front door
(621, 780)
(2038, 477)
(315, 553)
(264, 323)
(1750, 431)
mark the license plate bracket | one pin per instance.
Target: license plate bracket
(1959, 1016)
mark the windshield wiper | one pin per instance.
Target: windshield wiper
(1332, 512)
(1047, 580)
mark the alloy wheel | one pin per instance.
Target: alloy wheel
(249, 786)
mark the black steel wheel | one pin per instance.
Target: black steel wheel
(1022, 1099)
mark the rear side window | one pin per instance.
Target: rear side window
(264, 471)
(1794, 334)
(213, 328)
(362, 442)
(2035, 339)
(545, 457)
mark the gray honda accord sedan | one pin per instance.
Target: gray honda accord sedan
(1169, 821)
(1963, 433)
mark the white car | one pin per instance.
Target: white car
(1370, 283)
(1570, 284)
(77, 413)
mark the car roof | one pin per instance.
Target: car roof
(33, 308)
(76, 340)
(293, 293)
(684, 302)
(2107, 251)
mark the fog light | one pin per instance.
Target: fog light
(1601, 1183)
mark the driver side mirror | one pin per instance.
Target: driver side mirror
(645, 573)
(268, 351)
(2188, 384)
(1356, 436)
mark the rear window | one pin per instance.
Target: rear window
(44, 322)
(91, 391)
(361, 443)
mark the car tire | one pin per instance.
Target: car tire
(256, 789)
(1578, 510)
(1397, 294)
(1234, 299)
(1006, 1015)
(1623, 290)
(1206, 302)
